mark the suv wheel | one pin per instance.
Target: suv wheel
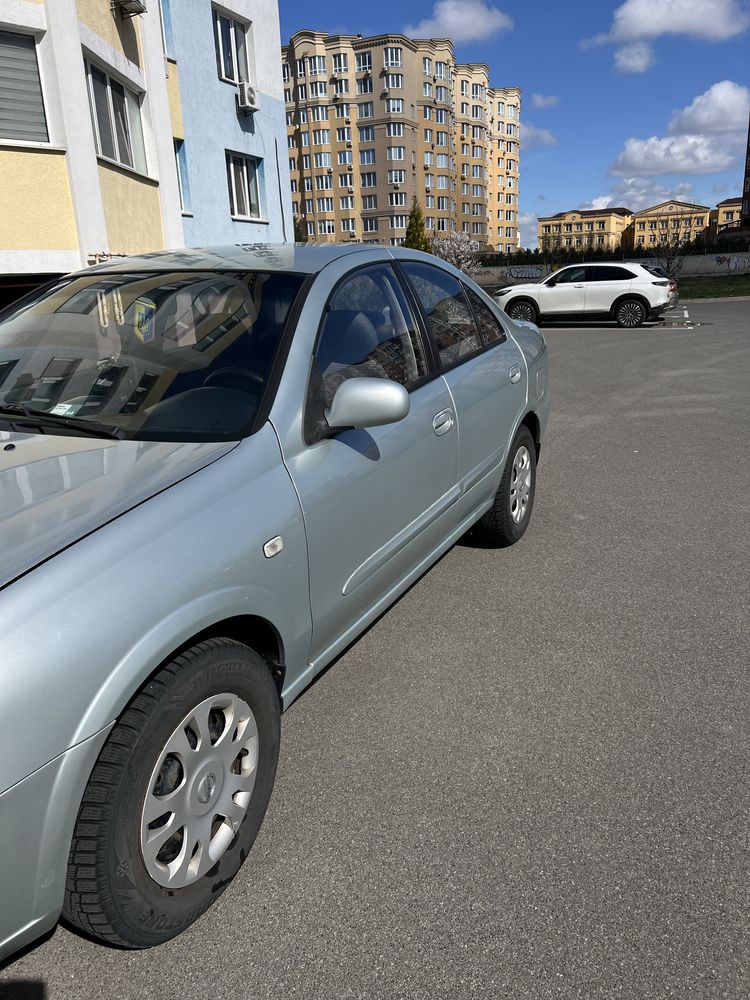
(630, 313)
(176, 798)
(523, 309)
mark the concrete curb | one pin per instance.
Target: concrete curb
(719, 298)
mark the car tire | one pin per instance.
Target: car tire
(137, 877)
(523, 309)
(507, 520)
(630, 313)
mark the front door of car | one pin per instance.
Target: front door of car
(566, 294)
(377, 501)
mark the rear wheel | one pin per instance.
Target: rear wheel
(176, 798)
(507, 520)
(630, 313)
(523, 309)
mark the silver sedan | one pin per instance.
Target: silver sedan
(216, 469)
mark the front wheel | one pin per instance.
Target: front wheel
(508, 518)
(176, 798)
(630, 313)
(523, 310)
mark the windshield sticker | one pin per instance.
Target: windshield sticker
(144, 320)
(66, 409)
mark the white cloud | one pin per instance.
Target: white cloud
(676, 154)
(714, 20)
(598, 203)
(638, 21)
(703, 138)
(533, 137)
(540, 101)
(636, 193)
(636, 57)
(527, 224)
(722, 108)
(461, 20)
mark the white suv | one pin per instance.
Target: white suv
(627, 293)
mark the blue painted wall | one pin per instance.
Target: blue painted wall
(214, 126)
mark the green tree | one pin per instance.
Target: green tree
(415, 234)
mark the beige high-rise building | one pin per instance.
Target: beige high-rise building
(375, 122)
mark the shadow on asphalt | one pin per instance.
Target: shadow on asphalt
(23, 989)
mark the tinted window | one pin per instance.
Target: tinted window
(487, 323)
(608, 273)
(446, 310)
(570, 274)
(183, 356)
(369, 331)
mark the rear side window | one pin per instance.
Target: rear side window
(369, 332)
(449, 318)
(489, 326)
(608, 273)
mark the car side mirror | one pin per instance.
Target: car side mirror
(367, 402)
(552, 282)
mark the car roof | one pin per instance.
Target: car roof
(303, 258)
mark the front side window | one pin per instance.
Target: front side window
(570, 275)
(116, 117)
(242, 180)
(449, 318)
(172, 356)
(368, 332)
(22, 115)
(230, 38)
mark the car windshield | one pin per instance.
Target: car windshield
(170, 356)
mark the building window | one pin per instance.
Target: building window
(394, 81)
(21, 105)
(242, 179)
(316, 66)
(340, 64)
(392, 56)
(182, 174)
(116, 116)
(370, 225)
(366, 110)
(394, 106)
(230, 42)
(369, 202)
(364, 62)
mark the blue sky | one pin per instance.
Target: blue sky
(625, 102)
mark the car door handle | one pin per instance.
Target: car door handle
(577, 286)
(515, 373)
(442, 422)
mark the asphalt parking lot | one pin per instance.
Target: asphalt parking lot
(529, 778)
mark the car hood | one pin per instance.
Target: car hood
(527, 286)
(55, 489)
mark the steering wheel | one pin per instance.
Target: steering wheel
(243, 379)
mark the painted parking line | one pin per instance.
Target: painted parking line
(677, 317)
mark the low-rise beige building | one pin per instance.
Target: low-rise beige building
(373, 123)
(584, 229)
(727, 215)
(668, 222)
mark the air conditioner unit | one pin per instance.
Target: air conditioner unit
(348, 121)
(348, 145)
(352, 236)
(330, 170)
(247, 99)
(397, 186)
(334, 76)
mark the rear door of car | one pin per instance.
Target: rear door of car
(567, 294)
(377, 501)
(605, 284)
(483, 368)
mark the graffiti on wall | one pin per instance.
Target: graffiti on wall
(734, 262)
(533, 271)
